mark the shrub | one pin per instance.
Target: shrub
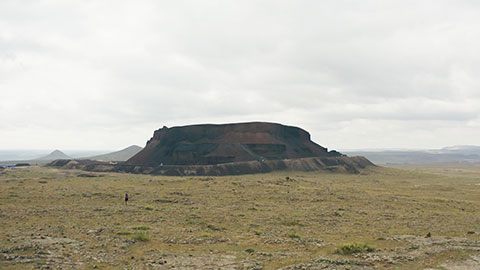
(291, 223)
(206, 235)
(214, 228)
(149, 208)
(354, 247)
(250, 250)
(124, 232)
(294, 235)
(141, 227)
(140, 236)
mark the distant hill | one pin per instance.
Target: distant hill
(462, 148)
(121, 155)
(34, 154)
(450, 154)
(57, 154)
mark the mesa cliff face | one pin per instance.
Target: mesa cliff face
(227, 143)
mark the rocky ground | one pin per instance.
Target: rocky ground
(66, 219)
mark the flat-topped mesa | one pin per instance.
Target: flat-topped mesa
(216, 144)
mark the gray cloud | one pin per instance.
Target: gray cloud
(355, 74)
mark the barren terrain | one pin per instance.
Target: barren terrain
(378, 219)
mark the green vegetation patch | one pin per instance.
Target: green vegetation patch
(294, 234)
(206, 235)
(141, 236)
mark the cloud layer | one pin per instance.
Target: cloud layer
(355, 74)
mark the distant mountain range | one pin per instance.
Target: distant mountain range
(450, 154)
(121, 155)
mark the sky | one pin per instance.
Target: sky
(104, 74)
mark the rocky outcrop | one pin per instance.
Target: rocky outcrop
(228, 143)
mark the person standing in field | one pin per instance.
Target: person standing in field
(126, 198)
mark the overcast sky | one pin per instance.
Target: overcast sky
(355, 74)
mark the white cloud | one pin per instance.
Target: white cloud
(354, 74)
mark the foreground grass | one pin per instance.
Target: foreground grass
(275, 219)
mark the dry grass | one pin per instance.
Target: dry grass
(273, 220)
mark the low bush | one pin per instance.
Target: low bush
(206, 235)
(257, 232)
(354, 247)
(141, 227)
(214, 227)
(294, 234)
(140, 236)
(291, 223)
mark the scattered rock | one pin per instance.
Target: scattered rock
(88, 175)
(327, 263)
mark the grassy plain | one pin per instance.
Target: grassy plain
(59, 219)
